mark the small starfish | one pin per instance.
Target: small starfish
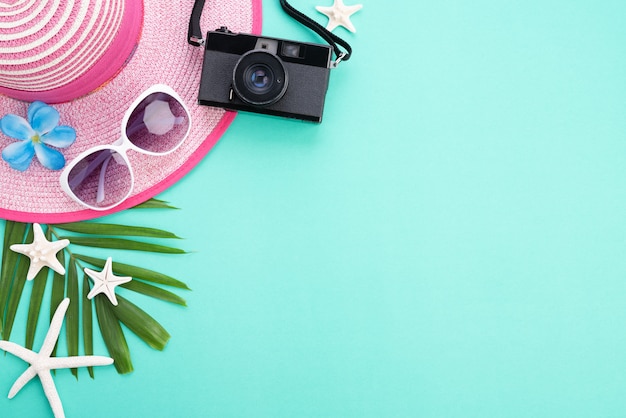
(105, 281)
(339, 15)
(41, 363)
(42, 253)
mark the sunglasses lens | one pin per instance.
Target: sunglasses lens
(101, 180)
(158, 124)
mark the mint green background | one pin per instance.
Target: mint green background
(448, 243)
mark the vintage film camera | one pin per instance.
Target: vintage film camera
(265, 75)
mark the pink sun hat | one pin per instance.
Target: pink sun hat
(90, 60)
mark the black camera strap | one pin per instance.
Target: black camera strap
(194, 33)
(332, 39)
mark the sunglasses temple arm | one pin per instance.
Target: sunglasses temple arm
(85, 172)
(100, 193)
(134, 127)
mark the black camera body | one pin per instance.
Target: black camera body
(265, 75)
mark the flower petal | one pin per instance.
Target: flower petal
(16, 127)
(19, 154)
(60, 137)
(49, 158)
(44, 119)
(34, 106)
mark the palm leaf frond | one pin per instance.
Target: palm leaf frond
(155, 292)
(93, 228)
(58, 291)
(72, 315)
(16, 289)
(142, 324)
(113, 335)
(87, 322)
(14, 233)
(36, 299)
(76, 286)
(122, 244)
(154, 204)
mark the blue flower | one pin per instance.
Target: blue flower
(34, 135)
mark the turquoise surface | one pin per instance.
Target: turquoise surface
(448, 243)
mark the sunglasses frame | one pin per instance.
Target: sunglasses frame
(123, 145)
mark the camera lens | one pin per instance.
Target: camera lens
(259, 78)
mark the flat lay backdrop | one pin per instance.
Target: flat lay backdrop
(449, 242)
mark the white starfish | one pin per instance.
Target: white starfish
(105, 281)
(41, 363)
(42, 253)
(339, 15)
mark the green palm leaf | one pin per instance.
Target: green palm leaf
(92, 228)
(154, 204)
(71, 317)
(153, 291)
(58, 292)
(123, 244)
(142, 324)
(113, 335)
(87, 322)
(14, 234)
(36, 298)
(17, 287)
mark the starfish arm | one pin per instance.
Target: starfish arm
(38, 234)
(110, 292)
(90, 272)
(78, 361)
(33, 269)
(348, 25)
(55, 327)
(96, 289)
(350, 11)
(21, 381)
(21, 248)
(332, 20)
(54, 264)
(118, 280)
(18, 351)
(108, 267)
(51, 393)
(59, 245)
(96, 276)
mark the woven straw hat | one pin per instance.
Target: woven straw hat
(90, 59)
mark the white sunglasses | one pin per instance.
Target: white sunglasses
(155, 124)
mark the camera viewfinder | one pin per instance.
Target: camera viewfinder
(291, 50)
